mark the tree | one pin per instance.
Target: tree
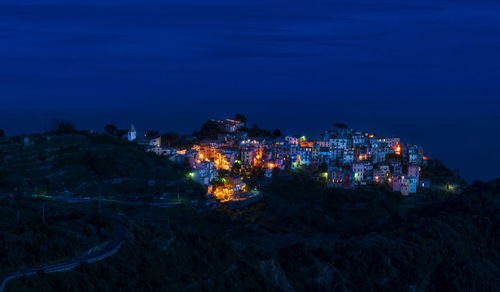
(276, 133)
(209, 130)
(110, 129)
(62, 127)
(340, 125)
(236, 167)
(169, 139)
(240, 117)
(120, 133)
(2, 133)
(255, 131)
(151, 134)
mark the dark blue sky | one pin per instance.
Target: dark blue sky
(425, 70)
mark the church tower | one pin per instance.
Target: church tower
(132, 134)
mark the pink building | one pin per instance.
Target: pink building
(414, 171)
(294, 140)
(378, 176)
(401, 184)
(324, 143)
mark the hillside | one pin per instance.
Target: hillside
(87, 164)
(300, 238)
(60, 168)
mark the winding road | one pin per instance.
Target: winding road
(111, 248)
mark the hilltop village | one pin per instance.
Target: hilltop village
(342, 158)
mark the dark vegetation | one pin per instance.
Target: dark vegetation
(151, 134)
(114, 131)
(306, 238)
(276, 133)
(28, 241)
(170, 139)
(340, 125)
(439, 174)
(88, 164)
(62, 127)
(240, 117)
(110, 129)
(256, 132)
(210, 130)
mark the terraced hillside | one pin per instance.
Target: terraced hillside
(87, 163)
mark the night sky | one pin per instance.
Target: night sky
(425, 70)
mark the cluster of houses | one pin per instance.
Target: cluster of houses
(350, 158)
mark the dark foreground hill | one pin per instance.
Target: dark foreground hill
(88, 164)
(57, 168)
(304, 238)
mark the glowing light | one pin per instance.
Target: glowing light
(223, 194)
(397, 149)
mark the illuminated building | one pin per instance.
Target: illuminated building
(396, 167)
(385, 170)
(229, 125)
(304, 143)
(358, 140)
(131, 134)
(323, 143)
(225, 159)
(413, 185)
(414, 172)
(204, 172)
(247, 156)
(340, 143)
(324, 155)
(293, 140)
(401, 183)
(315, 152)
(415, 154)
(304, 155)
(393, 142)
(156, 142)
(378, 176)
(359, 171)
(235, 184)
(348, 157)
(208, 150)
(335, 177)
